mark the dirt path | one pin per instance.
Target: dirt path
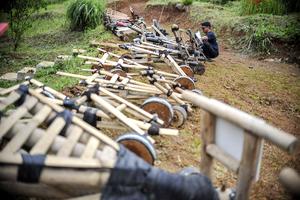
(270, 90)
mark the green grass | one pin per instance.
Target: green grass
(162, 2)
(255, 33)
(48, 37)
(275, 7)
(84, 14)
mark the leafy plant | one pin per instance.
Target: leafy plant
(276, 7)
(18, 14)
(85, 14)
(187, 2)
(216, 1)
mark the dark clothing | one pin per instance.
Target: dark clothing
(134, 179)
(210, 47)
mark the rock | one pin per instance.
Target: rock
(181, 7)
(9, 77)
(269, 60)
(45, 64)
(78, 51)
(25, 72)
(61, 58)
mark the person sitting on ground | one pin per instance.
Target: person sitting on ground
(210, 45)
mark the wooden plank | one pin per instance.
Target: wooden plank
(208, 136)
(248, 166)
(227, 160)
(91, 148)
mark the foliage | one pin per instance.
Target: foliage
(258, 33)
(220, 1)
(187, 2)
(85, 14)
(276, 7)
(47, 38)
(18, 14)
(216, 1)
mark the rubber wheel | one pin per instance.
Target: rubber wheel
(161, 107)
(187, 70)
(180, 116)
(139, 145)
(185, 82)
(199, 68)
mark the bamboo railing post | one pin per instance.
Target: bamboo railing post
(248, 165)
(208, 137)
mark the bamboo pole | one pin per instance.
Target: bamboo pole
(77, 121)
(138, 65)
(119, 115)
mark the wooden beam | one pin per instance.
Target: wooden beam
(248, 166)
(208, 137)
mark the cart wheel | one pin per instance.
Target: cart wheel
(161, 107)
(187, 70)
(199, 68)
(120, 72)
(127, 56)
(139, 145)
(124, 38)
(180, 116)
(185, 82)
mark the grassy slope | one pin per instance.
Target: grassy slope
(47, 38)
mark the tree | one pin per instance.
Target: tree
(18, 14)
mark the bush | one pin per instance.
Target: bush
(276, 7)
(18, 14)
(85, 14)
(187, 2)
(217, 1)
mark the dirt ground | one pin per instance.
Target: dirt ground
(244, 82)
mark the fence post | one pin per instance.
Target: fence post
(208, 137)
(248, 165)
